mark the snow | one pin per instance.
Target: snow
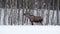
(29, 30)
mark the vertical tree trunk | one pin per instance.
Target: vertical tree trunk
(0, 16)
(58, 12)
(22, 15)
(52, 14)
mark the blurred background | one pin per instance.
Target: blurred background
(11, 11)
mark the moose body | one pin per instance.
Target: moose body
(36, 19)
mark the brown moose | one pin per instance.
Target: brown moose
(36, 19)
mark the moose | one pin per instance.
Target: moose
(33, 18)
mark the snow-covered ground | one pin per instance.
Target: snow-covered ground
(10, 16)
(29, 29)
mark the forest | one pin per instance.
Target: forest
(11, 11)
(30, 4)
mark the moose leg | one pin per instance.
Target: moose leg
(32, 23)
(41, 23)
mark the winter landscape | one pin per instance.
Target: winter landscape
(11, 12)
